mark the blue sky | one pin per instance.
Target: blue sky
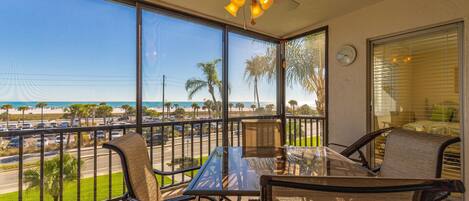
(84, 50)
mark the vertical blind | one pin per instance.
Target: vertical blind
(416, 86)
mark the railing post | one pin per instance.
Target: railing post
(79, 166)
(20, 168)
(41, 170)
(225, 115)
(95, 165)
(281, 110)
(61, 171)
(139, 69)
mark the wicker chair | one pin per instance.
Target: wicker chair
(139, 175)
(356, 188)
(408, 154)
(262, 133)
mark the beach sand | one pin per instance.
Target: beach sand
(115, 110)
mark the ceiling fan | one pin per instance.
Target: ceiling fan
(257, 7)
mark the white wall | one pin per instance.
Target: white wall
(347, 85)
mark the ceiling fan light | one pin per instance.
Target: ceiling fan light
(232, 9)
(238, 3)
(265, 4)
(256, 10)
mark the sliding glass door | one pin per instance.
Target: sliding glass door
(416, 86)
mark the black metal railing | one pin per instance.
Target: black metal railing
(305, 130)
(172, 146)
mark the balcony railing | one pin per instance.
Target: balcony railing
(172, 145)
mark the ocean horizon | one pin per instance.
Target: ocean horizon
(114, 104)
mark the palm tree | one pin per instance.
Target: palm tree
(230, 105)
(209, 105)
(255, 69)
(270, 107)
(240, 106)
(218, 106)
(41, 105)
(52, 174)
(126, 109)
(293, 103)
(85, 112)
(104, 111)
(23, 109)
(168, 108)
(7, 108)
(253, 107)
(74, 111)
(306, 66)
(179, 113)
(210, 81)
(195, 107)
(197, 110)
(92, 109)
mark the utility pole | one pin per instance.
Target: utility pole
(162, 102)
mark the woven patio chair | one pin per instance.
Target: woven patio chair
(139, 175)
(356, 188)
(408, 154)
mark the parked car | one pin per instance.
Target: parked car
(57, 139)
(13, 127)
(76, 123)
(178, 128)
(99, 134)
(117, 133)
(123, 119)
(64, 124)
(46, 142)
(53, 124)
(27, 126)
(3, 128)
(213, 126)
(14, 142)
(41, 125)
(157, 139)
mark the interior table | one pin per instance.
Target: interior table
(235, 171)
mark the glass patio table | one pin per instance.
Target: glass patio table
(235, 171)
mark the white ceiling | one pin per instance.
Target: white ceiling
(282, 19)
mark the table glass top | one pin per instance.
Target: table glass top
(236, 170)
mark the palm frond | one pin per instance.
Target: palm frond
(195, 85)
(32, 178)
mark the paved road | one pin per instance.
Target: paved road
(9, 181)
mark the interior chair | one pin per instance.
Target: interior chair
(408, 154)
(356, 188)
(139, 175)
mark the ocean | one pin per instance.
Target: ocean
(116, 104)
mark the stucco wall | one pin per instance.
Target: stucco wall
(347, 85)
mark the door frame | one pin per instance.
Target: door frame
(459, 24)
